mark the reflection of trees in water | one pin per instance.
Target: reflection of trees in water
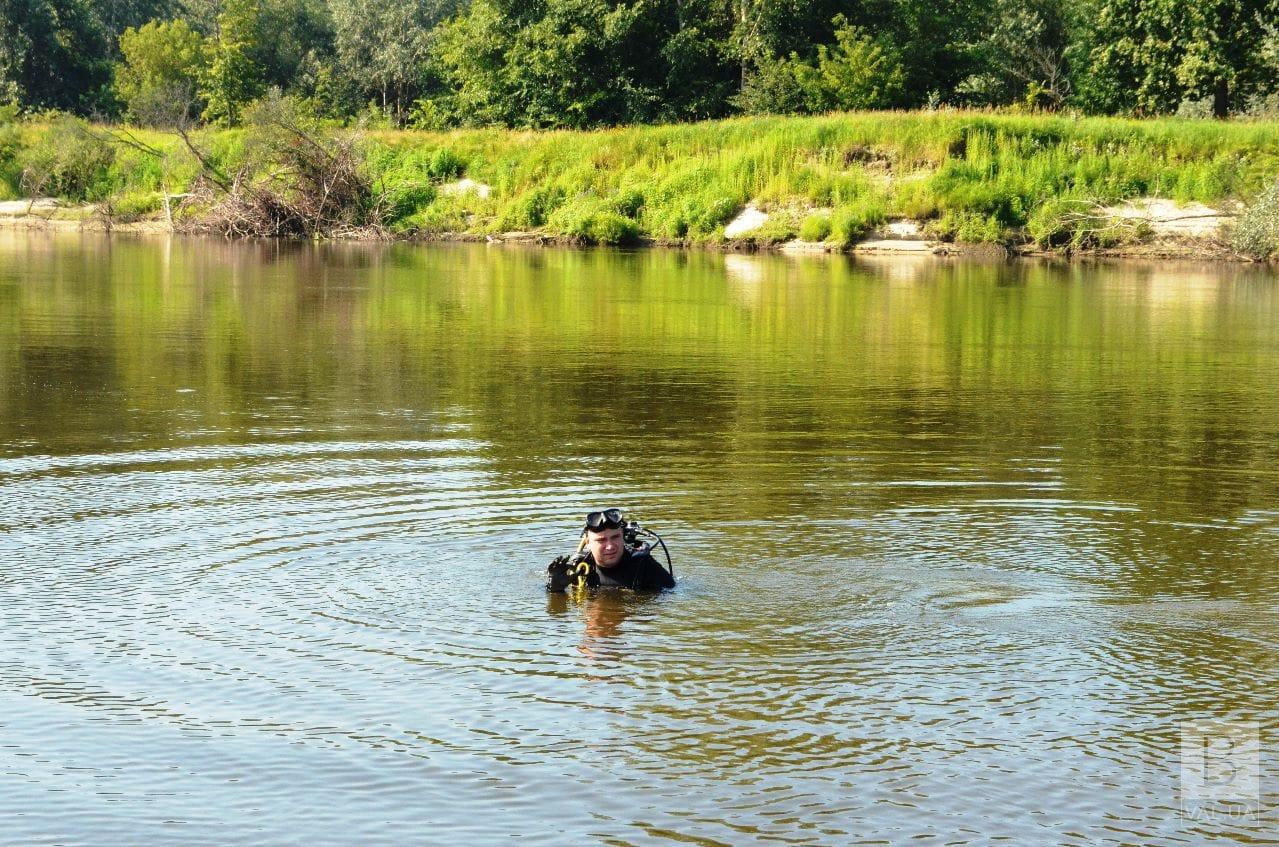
(763, 386)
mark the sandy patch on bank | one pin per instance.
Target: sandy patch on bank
(750, 219)
(903, 229)
(48, 213)
(41, 207)
(467, 186)
(1168, 219)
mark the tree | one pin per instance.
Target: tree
(772, 88)
(163, 63)
(118, 15)
(579, 63)
(698, 77)
(933, 34)
(384, 45)
(234, 78)
(1021, 56)
(858, 72)
(53, 53)
(295, 38)
(1146, 56)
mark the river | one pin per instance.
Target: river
(966, 551)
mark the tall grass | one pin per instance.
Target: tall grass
(972, 176)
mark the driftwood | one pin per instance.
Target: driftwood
(313, 186)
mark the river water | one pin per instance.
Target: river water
(966, 551)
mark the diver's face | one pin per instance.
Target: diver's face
(605, 546)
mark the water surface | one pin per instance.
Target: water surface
(960, 545)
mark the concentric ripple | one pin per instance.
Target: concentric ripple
(961, 548)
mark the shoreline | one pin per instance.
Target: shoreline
(873, 183)
(1198, 245)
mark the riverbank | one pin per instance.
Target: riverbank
(1189, 233)
(894, 182)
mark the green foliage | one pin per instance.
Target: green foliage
(629, 202)
(849, 224)
(966, 227)
(445, 164)
(55, 54)
(1061, 221)
(68, 160)
(11, 144)
(383, 48)
(293, 44)
(1256, 235)
(782, 226)
(577, 63)
(1147, 56)
(772, 88)
(589, 219)
(531, 209)
(162, 65)
(1021, 56)
(234, 78)
(972, 177)
(858, 72)
(401, 202)
(816, 227)
(612, 228)
(135, 205)
(434, 64)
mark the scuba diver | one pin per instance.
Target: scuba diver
(611, 554)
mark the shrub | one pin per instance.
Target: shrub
(589, 219)
(859, 72)
(779, 228)
(69, 160)
(850, 223)
(611, 228)
(1256, 235)
(404, 200)
(1055, 222)
(629, 202)
(531, 209)
(967, 227)
(711, 213)
(816, 227)
(445, 164)
(445, 214)
(10, 168)
(135, 205)
(772, 88)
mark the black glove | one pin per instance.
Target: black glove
(557, 574)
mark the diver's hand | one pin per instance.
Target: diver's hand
(557, 578)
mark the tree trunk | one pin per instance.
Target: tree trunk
(1221, 99)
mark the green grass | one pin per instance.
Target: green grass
(971, 176)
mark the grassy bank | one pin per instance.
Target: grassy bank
(971, 178)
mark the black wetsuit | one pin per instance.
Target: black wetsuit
(638, 571)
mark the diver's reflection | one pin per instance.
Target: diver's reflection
(603, 613)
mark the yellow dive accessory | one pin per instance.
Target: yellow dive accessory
(579, 572)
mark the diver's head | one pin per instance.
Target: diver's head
(604, 537)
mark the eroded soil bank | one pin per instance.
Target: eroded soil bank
(1168, 230)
